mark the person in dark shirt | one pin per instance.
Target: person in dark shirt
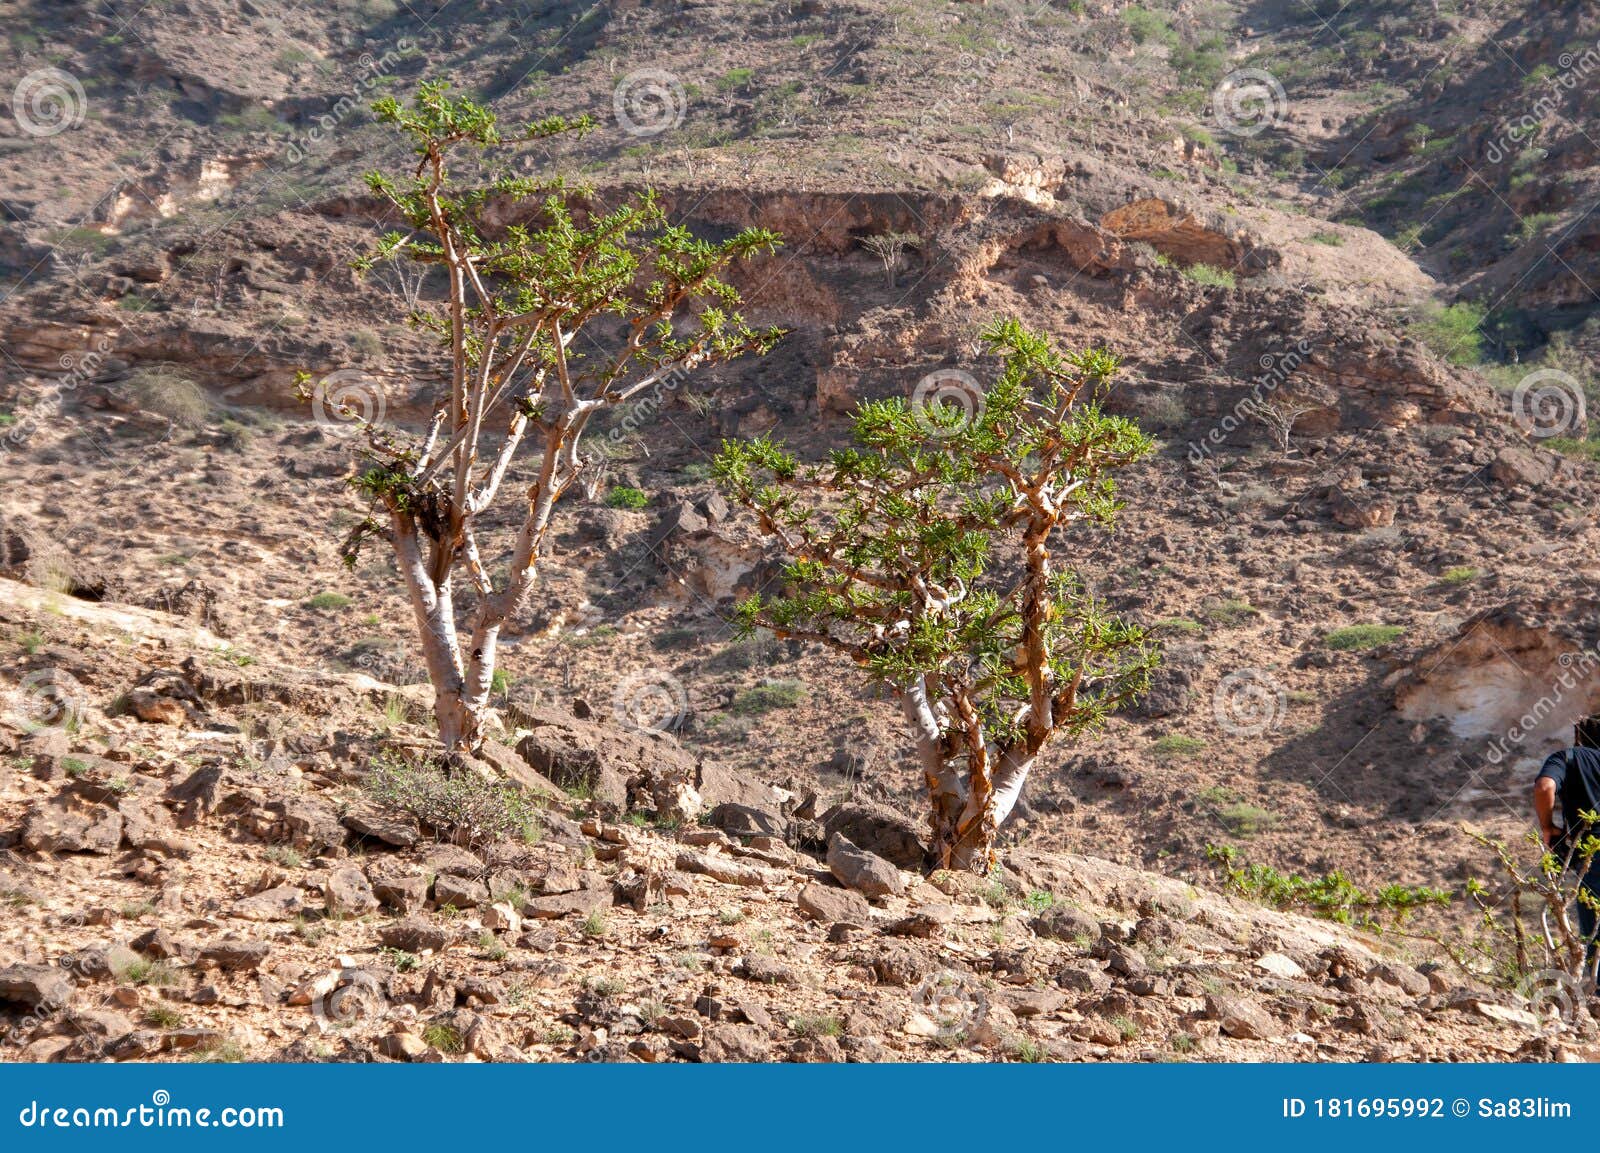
(1569, 784)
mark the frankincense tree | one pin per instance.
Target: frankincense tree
(928, 553)
(564, 311)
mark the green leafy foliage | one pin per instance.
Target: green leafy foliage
(556, 307)
(456, 805)
(1332, 895)
(923, 550)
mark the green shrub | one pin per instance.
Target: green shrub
(445, 1038)
(1175, 745)
(1459, 575)
(1453, 333)
(1570, 446)
(1231, 611)
(1357, 638)
(460, 806)
(1147, 27)
(763, 698)
(1207, 275)
(1332, 895)
(624, 497)
(1242, 819)
(324, 601)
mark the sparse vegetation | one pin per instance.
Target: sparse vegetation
(624, 497)
(1173, 746)
(1209, 276)
(1359, 638)
(1332, 895)
(458, 806)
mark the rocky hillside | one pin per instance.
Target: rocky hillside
(199, 867)
(1357, 610)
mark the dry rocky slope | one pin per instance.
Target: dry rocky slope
(197, 873)
(173, 257)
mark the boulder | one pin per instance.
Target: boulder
(236, 956)
(747, 821)
(1241, 1018)
(347, 891)
(282, 903)
(878, 830)
(594, 760)
(580, 901)
(856, 868)
(416, 934)
(1521, 468)
(833, 906)
(459, 892)
(402, 892)
(1063, 922)
(35, 986)
(56, 827)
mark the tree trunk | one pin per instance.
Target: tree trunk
(460, 723)
(947, 791)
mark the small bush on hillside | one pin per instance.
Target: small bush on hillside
(167, 392)
(1358, 638)
(1175, 745)
(624, 497)
(460, 806)
(1147, 27)
(1453, 333)
(765, 697)
(1332, 895)
(1207, 275)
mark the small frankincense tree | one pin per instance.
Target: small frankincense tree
(1531, 933)
(890, 249)
(554, 310)
(927, 554)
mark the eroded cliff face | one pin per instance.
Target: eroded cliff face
(279, 295)
(1514, 679)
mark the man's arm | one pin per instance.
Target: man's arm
(1544, 807)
